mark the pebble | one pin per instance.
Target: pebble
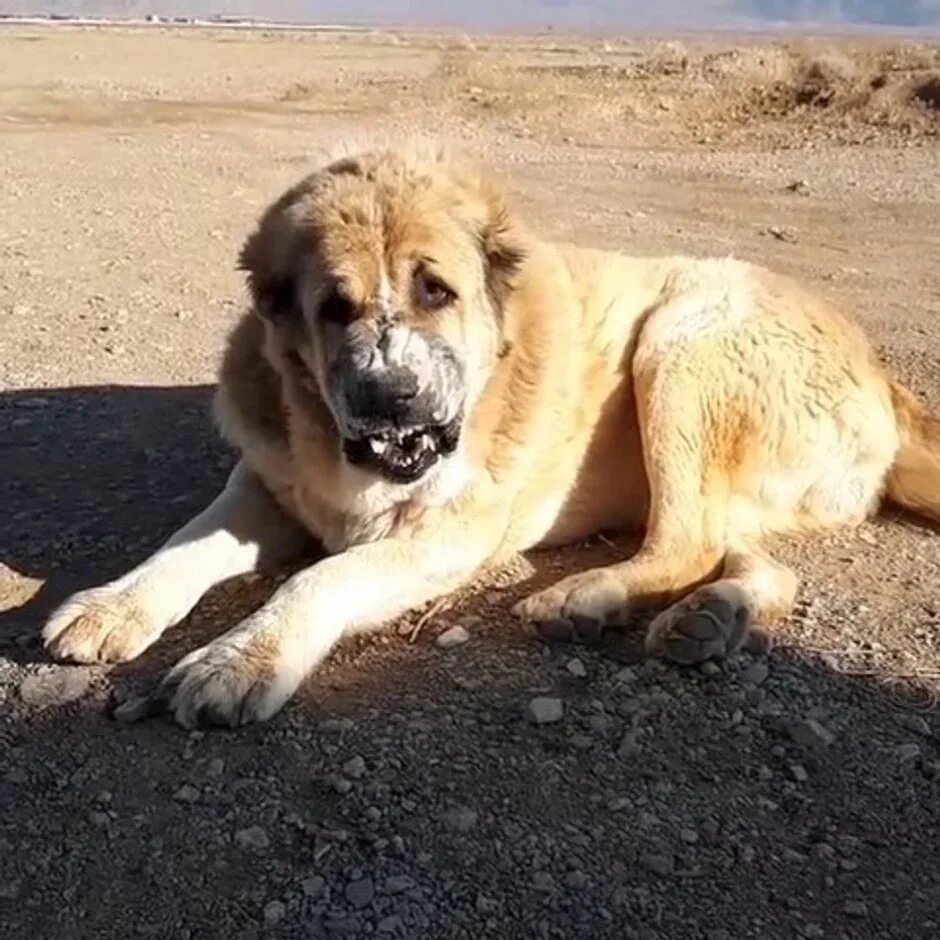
(915, 723)
(688, 836)
(576, 668)
(544, 710)
(798, 772)
(657, 864)
(485, 906)
(907, 752)
(710, 669)
(810, 733)
(630, 744)
(625, 676)
(55, 686)
(254, 837)
(355, 767)
(460, 819)
(453, 636)
(9, 890)
(396, 884)
(543, 881)
(576, 880)
(390, 924)
(360, 892)
(274, 912)
(856, 908)
(313, 887)
(187, 793)
(756, 674)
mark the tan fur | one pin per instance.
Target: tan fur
(704, 403)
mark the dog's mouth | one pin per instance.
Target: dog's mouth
(403, 454)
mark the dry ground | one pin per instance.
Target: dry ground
(404, 794)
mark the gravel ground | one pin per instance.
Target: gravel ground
(452, 778)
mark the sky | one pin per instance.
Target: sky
(483, 13)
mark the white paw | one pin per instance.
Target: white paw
(102, 625)
(235, 680)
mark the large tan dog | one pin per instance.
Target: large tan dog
(427, 389)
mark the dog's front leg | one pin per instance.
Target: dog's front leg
(248, 673)
(114, 622)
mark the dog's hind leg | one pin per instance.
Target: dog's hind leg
(715, 619)
(685, 536)
(117, 621)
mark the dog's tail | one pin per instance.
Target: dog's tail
(914, 478)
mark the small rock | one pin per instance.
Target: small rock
(710, 669)
(798, 772)
(215, 768)
(576, 880)
(856, 908)
(756, 674)
(453, 636)
(460, 819)
(485, 906)
(360, 892)
(914, 723)
(688, 836)
(810, 733)
(800, 187)
(187, 793)
(57, 685)
(630, 744)
(780, 233)
(355, 767)
(9, 890)
(907, 752)
(544, 710)
(341, 785)
(543, 881)
(625, 676)
(274, 912)
(344, 926)
(313, 887)
(576, 668)
(336, 725)
(254, 838)
(396, 884)
(657, 864)
(103, 820)
(390, 924)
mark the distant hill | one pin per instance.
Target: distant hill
(676, 13)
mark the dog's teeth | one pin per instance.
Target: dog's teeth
(426, 441)
(378, 447)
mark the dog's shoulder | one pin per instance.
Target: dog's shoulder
(248, 405)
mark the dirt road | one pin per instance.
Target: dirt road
(405, 793)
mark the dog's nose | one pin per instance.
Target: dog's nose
(386, 394)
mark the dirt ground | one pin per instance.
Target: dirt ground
(404, 793)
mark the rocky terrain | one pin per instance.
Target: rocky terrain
(451, 777)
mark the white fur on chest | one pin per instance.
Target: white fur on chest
(366, 508)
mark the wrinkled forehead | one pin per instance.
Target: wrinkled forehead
(371, 236)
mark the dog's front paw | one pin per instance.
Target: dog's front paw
(577, 607)
(102, 625)
(235, 680)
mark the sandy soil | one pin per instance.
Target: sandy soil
(404, 793)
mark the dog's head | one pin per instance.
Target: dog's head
(383, 281)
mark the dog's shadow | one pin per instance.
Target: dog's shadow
(98, 477)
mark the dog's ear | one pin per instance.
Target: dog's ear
(271, 256)
(503, 243)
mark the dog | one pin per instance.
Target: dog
(428, 388)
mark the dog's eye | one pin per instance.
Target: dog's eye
(431, 293)
(337, 309)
